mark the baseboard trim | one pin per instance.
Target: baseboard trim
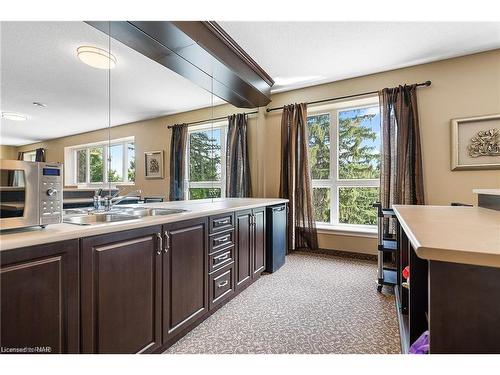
(340, 253)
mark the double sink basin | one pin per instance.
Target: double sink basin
(87, 217)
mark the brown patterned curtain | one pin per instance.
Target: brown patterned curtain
(238, 182)
(295, 179)
(177, 161)
(401, 178)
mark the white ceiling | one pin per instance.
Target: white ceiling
(39, 63)
(299, 54)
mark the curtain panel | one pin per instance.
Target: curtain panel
(40, 154)
(238, 181)
(401, 175)
(295, 178)
(178, 161)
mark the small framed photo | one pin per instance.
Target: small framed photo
(475, 143)
(153, 164)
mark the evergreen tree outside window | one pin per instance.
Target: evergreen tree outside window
(344, 152)
(205, 162)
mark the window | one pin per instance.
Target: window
(344, 154)
(86, 164)
(205, 162)
(29, 156)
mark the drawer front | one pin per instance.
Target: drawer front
(221, 285)
(221, 222)
(221, 258)
(221, 240)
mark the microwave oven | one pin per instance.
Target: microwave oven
(30, 193)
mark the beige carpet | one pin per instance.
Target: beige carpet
(314, 304)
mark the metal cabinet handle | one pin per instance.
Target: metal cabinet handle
(222, 222)
(222, 257)
(167, 244)
(160, 243)
(222, 284)
(222, 239)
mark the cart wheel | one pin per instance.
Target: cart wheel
(379, 288)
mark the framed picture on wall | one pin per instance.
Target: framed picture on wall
(153, 164)
(475, 143)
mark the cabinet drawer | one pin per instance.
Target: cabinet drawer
(221, 258)
(221, 285)
(221, 240)
(221, 222)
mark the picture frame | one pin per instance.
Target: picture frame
(475, 143)
(153, 164)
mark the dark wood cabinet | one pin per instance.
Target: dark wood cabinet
(121, 291)
(185, 276)
(243, 253)
(134, 291)
(40, 299)
(250, 246)
(259, 241)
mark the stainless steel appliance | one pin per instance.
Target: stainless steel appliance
(30, 193)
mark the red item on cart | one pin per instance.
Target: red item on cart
(406, 272)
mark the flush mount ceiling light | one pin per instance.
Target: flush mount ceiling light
(96, 57)
(14, 116)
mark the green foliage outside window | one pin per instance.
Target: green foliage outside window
(96, 164)
(358, 158)
(205, 162)
(204, 193)
(204, 156)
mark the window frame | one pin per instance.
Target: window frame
(223, 126)
(72, 154)
(334, 183)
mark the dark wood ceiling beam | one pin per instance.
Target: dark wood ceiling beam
(199, 51)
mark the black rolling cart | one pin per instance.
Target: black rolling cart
(387, 273)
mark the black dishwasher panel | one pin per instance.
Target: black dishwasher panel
(276, 218)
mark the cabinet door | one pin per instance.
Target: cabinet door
(39, 298)
(121, 292)
(243, 249)
(259, 241)
(185, 275)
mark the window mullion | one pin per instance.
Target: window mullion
(334, 200)
(87, 162)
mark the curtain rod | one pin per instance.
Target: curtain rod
(426, 83)
(212, 119)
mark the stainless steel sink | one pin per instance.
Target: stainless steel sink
(80, 217)
(97, 218)
(143, 212)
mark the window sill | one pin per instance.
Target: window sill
(98, 185)
(347, 230)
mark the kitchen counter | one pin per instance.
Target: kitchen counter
(18, 238)
(465, 235)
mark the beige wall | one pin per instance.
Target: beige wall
(461, 87)
(8, 152)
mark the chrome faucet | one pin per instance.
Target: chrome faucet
(110, 201)
(97, 199)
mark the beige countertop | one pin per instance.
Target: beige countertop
(17, 238)
(468, 235)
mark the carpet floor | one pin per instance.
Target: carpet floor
(314, 304)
